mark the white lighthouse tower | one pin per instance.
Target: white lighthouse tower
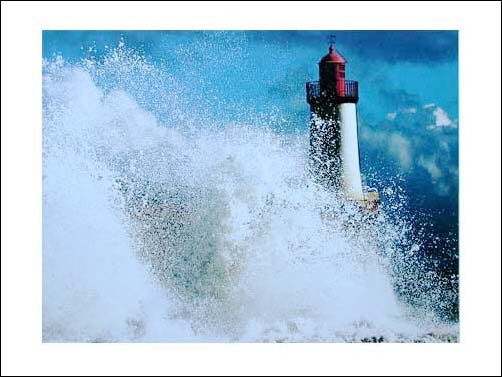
(334, 147)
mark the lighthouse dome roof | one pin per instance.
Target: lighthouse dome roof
(333, 56)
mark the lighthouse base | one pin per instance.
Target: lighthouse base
(371, 201)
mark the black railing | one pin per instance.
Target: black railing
(351, 92)
(351, 89)
(313, 91)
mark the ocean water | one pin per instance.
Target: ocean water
(179, 207)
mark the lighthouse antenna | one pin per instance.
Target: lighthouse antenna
(332, 38)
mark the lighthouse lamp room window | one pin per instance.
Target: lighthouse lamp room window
(250, 186)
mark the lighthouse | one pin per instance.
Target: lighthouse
(334, 146)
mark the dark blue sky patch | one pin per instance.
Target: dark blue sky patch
(399, 97)
(438, 46)
(391, 46)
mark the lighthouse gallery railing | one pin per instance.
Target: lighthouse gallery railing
(351, 91)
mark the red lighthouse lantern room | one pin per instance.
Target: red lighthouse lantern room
(332, 74)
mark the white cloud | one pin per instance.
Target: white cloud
(409, 110)
(431, 166)
(442, 118)
(437, 116)
(400, 149)
(391, 116)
